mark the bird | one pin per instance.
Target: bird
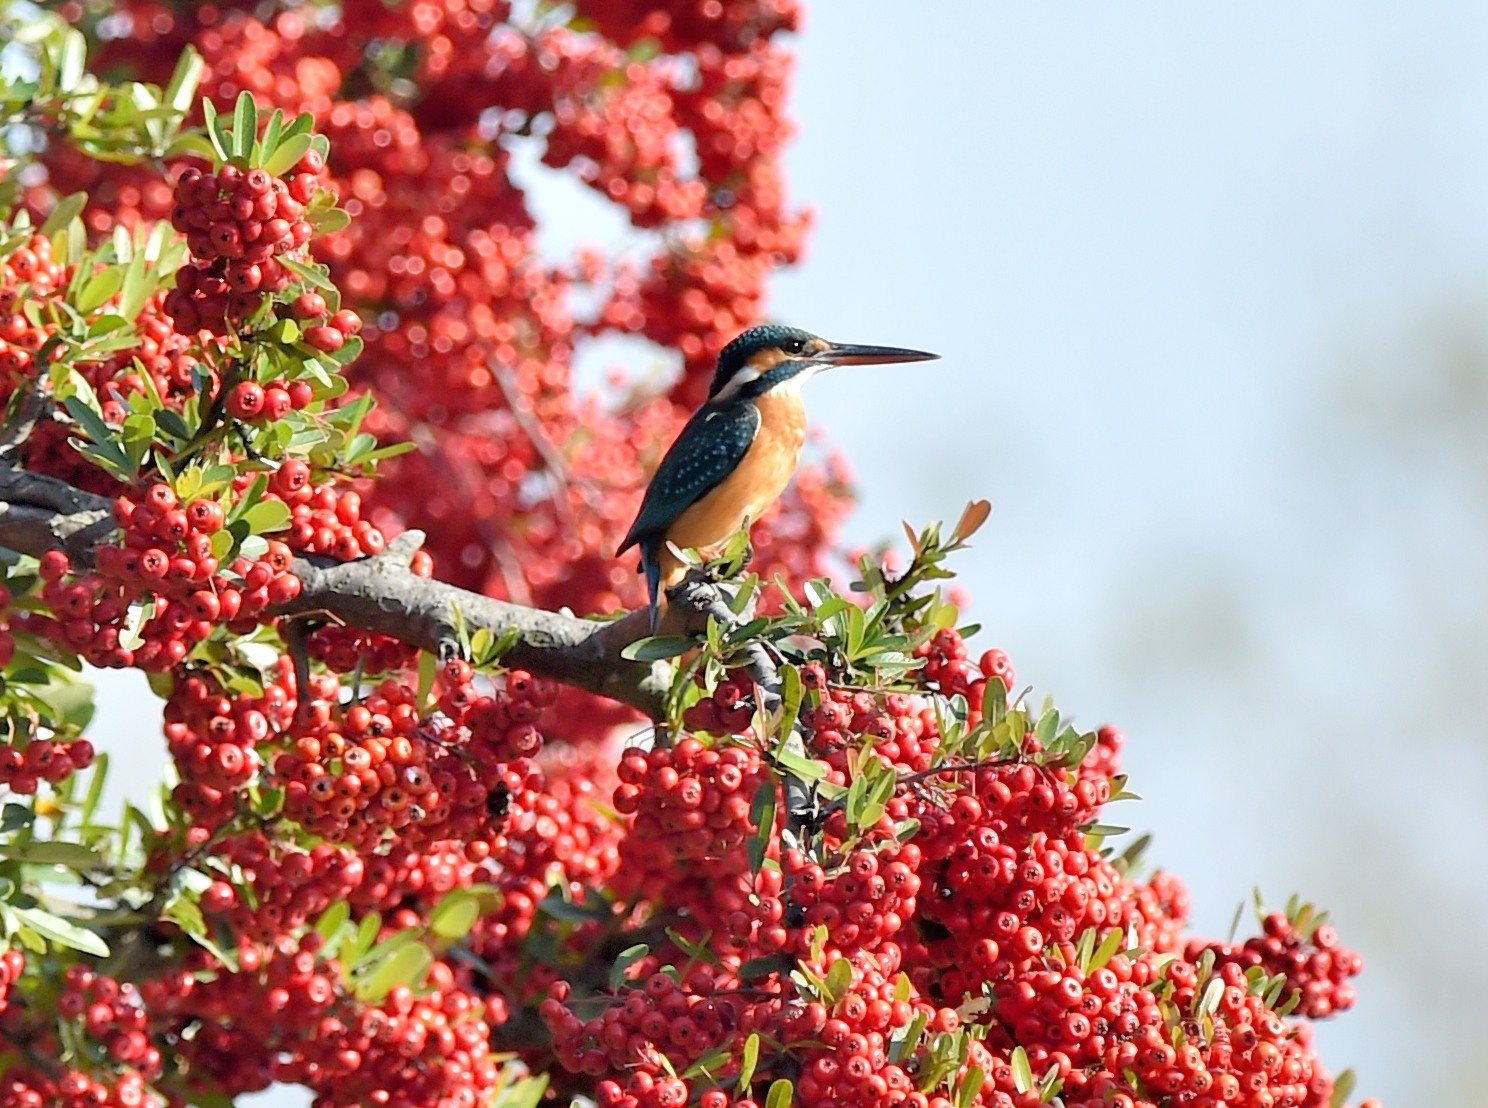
(737, 453)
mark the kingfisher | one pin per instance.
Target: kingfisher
(736, 454)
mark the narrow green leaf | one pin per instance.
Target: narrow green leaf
(267, 516)
(762, 814)
(1022, 1071)
(748, 1061)
(455, 915)
(312, 275)
(626, 958)
(272, 134)
(406, 966)
(71, 60)
(657, 648)
(72, 855)
(214, 130)
(1343, 1088)
(67, 209)
(333, 919)
(780, 1094)
(971, 1085)
(62, 932)
(799, 766)
(289, 151)
(1110, 946)
(185, 79)
(245, 126)
(95, 788)
(839, 978)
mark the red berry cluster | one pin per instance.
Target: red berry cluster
(27, 273)
(949, 669)
(697, 23)
(1316, 965)
(691, 809)
(555, 837)
(214, 740)
(236, 221)
(12, 965)
(327, 519)
(111, 1020)
(290, 887)
(902, 729)
(356, 772)
(23, 769)
(863, 901)
(166, 563)
(284, 1016)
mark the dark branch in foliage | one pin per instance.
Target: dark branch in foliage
(381, 594)
(704, 597)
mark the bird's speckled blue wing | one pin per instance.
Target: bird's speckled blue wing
(709, 448)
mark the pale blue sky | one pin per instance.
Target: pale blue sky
(1178, 259)
(1163, 248)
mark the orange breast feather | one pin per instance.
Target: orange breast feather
(749, 490)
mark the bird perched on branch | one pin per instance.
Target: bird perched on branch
(736, 454)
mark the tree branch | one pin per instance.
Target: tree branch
(380, 594)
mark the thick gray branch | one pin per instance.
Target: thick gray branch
(381, 594)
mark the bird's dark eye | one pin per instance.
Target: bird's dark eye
(795, 346)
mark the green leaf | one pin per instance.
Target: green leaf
(71, 60)
(839, 978)
(64, 213)
(312, 275)
(657, 647)
(455, 915)
(62, 932)
(1051, 1084)
(72, 701)
(366, 935)
(1110, 946)
(1343, 1088)
(72, 855)
(780, 1094)
(245, 126)
(330, 220)
(14, 817)
(332, 920)
(756, 968)
(1022, 1071)
(99, 288)
(762, 815)
(526, 1093)
(215, 132)
(267, 516)
(185, 79)
(971, 1085)
(284, 157)
(799, 766)
(626, 958)
(748, 1061)
(406, 966)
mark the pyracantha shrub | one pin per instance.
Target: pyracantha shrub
(291, 426)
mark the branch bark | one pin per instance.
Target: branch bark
(380, 594)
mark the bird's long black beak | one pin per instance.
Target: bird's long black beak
(846, 353)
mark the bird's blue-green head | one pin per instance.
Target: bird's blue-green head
(773, 355)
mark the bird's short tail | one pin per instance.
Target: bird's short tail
(651, 566)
